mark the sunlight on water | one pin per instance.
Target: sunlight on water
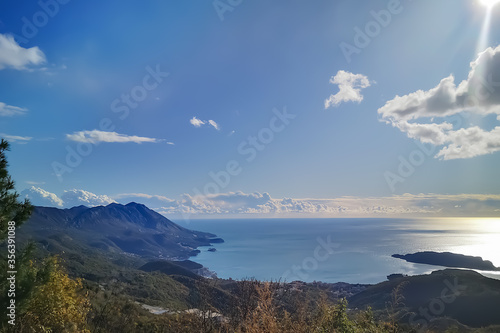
(468, 236)
(484, 240)
(265, 248)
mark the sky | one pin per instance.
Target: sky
(235, 108)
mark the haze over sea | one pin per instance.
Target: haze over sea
(270, 248)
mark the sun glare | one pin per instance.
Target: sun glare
(489, 3)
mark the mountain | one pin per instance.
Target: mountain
(461, 295)
(133, 229)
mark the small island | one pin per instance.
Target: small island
(448, 259)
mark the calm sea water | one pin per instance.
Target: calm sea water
(357, 250)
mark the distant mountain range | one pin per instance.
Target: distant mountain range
(133, 229)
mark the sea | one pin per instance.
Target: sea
(340, 250)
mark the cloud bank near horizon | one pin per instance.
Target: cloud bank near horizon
(69, 198)
(240, 204)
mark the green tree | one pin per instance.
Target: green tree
(11, 209)
(47, 300)
(336, 320)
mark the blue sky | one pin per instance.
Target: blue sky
(238, 66)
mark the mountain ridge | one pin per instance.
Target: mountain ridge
(132, 228)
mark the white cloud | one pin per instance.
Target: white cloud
(350, 86)
(470, 142)
(14, 56)
(9, 110)
(40, 197)
(76, 197)
(214, 124)
(15, 138)
(229, 202)
(262, 204)
(478, 94)
(96, 136)
(71, 198)
(236, 203)
(197, 122)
